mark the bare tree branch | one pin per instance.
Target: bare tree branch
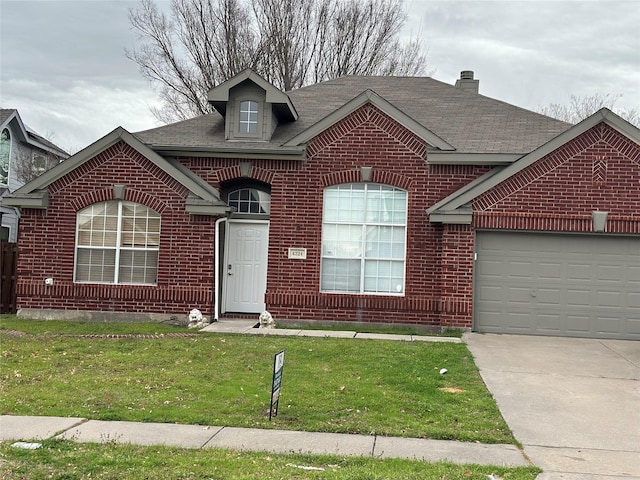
(290, 42)
(30, 164)
(580, 108)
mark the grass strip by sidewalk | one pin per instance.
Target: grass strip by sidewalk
(329, 385)
(69, 460)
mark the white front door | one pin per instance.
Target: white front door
(245, 276)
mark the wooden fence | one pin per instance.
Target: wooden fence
(8, 276)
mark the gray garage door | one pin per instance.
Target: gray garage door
(552, 284)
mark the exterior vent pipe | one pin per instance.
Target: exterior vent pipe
(467, 83)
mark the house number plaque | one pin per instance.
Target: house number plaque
(298, 253)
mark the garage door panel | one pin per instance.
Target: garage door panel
(613, 300)
(577, 325)
(518, 269)
(558, 284)
(578, 298)
(611, 273)
(493, 268)
(609, 326)
(490, 293)
(518, 295)
(520, 321)
(633, 326)
(548, 270)
(546, 297)
(578, 271)
(549, 323)
(491, 320)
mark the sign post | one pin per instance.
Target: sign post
(278, 365)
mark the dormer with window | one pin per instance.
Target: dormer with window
(252, 107)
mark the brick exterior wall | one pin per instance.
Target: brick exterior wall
(598, 171)
(366, 138)
(47, 242)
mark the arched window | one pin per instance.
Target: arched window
(364, 228)
(117, 242)
(250, 201)
(5, 156)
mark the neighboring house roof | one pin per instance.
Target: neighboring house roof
(10, 116)
(455, 208)
(5, 113)
(470, 123)
(203, 199)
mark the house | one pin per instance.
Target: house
(361, 199)
(23, 154)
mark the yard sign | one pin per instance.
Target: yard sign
(278, 365)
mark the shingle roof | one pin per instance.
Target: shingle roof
(5, 113)
(460, 199)
(472, 123)
(47, 143)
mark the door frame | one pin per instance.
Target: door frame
(225, 255)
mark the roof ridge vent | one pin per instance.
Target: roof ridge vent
(467, 83)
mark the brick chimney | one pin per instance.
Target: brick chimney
(467, 83)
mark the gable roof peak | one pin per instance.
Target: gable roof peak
(447, 208)
(203, 199)
(369, 96)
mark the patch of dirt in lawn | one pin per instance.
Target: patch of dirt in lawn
(452, 390)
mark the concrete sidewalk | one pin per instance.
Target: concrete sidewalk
(248, 327)
(274, 441)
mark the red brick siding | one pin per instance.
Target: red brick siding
(457, 275)
(367, 138)
(599, 170)
(47, 241)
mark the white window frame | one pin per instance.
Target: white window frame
(119, 247)
(244, 117)
(358, 249)
(257, 197)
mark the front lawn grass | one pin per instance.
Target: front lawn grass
(57, 327)
(69, 460)
(388, 388)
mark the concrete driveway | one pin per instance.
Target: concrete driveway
(573, 403)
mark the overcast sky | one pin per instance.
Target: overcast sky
(62, 63)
